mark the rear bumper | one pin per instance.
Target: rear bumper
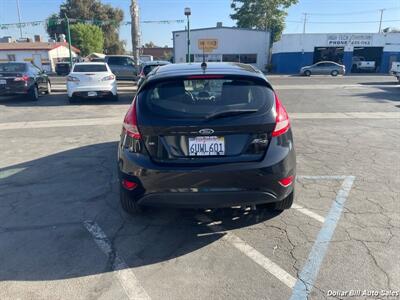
(76, 90)
(209, 199)
(220, 185)
(14, 89)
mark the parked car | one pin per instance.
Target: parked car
(22, 78)
(62, 67)
(123, 66)
(146, 58)
(395, 69)
(360, 64)
(91, 80)
(214, 136)
(147, 67)
(323, 68)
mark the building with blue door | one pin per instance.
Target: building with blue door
(294, 51)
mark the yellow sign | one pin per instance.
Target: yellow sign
(207, 45)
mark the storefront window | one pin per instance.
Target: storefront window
(248, 58)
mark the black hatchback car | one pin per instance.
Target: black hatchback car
(206, 136)
(21, 78)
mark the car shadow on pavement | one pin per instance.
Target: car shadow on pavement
(61, 99)
(382, 94)
(46, 202)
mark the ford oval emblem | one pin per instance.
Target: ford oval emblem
(206, 131)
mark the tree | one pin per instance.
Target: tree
(150, 45)
(82, 10)
(262, 14)
(88, 38)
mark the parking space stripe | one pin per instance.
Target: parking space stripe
(310, 270)
(252, 253)
(125, 276)
(309, 213)
(332, 86)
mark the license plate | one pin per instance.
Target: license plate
(3, 81)
(92, 94)
(206, 145)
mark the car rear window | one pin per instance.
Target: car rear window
(90, 68)
(200, 98)
(12, 67)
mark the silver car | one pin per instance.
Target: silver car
(123, 66)
(323, 68)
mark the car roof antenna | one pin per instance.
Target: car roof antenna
(204, 64)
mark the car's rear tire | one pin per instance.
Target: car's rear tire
(334, 73)
(114, 98)
(34, 93)
(285, 203)
(307, 73)
(72, 99)
(128, 202)
(48, 92)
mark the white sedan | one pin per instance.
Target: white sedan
(91, 80)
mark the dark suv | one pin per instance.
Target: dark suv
(24, 79)
(206, 136)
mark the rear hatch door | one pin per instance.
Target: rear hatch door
(206, 120)
(90, 74)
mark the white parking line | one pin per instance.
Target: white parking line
(125, 275)
(309, 213)
(332, 86)
(310, 270)
(252, 253)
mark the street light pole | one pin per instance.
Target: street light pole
(19, 19)
(187, 14)
(64, 8)
(69, 42)
(380, 21)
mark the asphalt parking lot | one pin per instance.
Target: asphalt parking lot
(63, 234)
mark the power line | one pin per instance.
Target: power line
(342, 22)
(352, 13)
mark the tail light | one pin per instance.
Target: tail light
(130, 122)
(129, 185)
(22, 78)
(107, 78)
(72, 79)
(285, 182)
(282, 118)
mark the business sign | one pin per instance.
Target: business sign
(350, 40)
(207, 45)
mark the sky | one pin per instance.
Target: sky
(336, 16)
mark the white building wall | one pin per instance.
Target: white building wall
(306, 42)
(23, 55)
(47, 57)
(230, 41)
(59, 52)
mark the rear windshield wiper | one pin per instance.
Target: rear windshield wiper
(229, 113)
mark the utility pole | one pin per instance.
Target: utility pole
(19, 19)
(64, 9)
(305, 22)
(69, 42)
(135, 31)
(380, 21)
